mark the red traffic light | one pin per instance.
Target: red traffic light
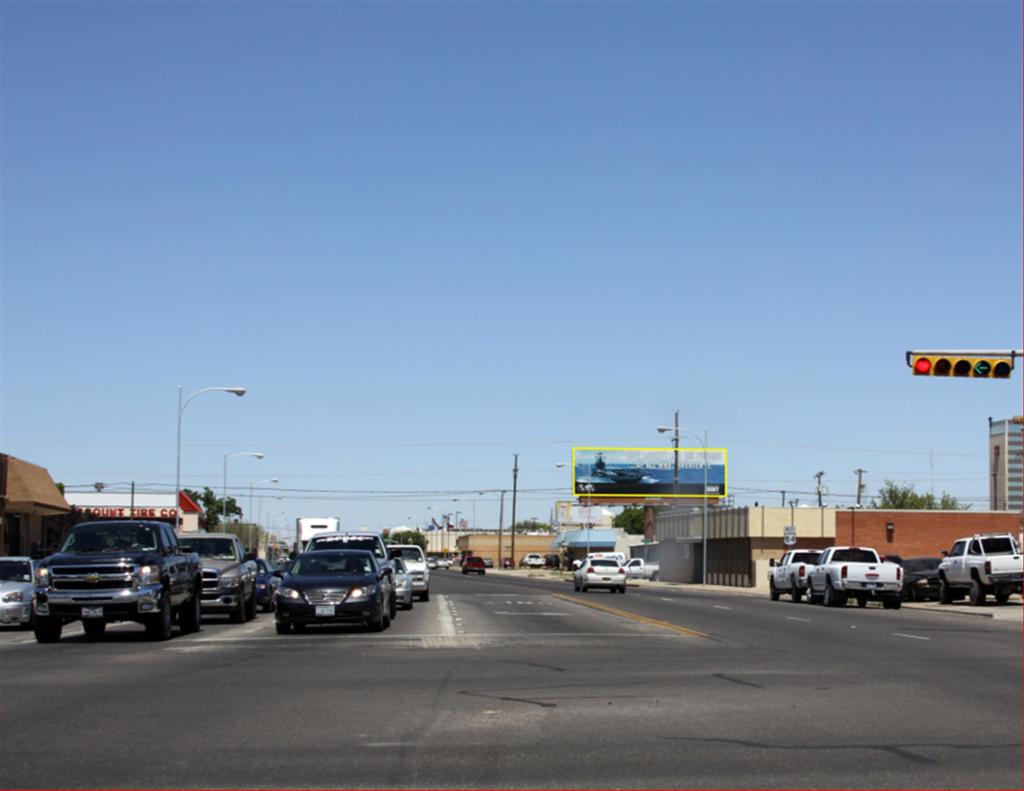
(922, 365)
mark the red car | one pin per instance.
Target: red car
(474, 564)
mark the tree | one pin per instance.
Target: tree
(213, 506)
(632, 519)
(409, 537)
(894, 497)
(533, 527)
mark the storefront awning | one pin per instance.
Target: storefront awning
(27, 488)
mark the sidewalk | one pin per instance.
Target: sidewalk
(1012, 611)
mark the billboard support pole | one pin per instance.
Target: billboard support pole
(515, 486)
(704, 537)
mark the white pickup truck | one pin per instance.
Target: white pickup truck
(640, 569)
(789, 574)
(854, 571)
(980, 565)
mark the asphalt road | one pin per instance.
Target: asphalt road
(508, 681)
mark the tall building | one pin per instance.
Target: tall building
(1006, 483)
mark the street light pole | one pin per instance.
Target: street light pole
(515, 486)
(589, 489)
(224, 490)
(704, 500)
(266, 480)
(238, 391)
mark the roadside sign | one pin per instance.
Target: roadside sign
(789, 535)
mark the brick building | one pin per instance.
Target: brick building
(917, 533)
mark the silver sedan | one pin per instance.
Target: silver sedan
(16, 592)
(403, 584)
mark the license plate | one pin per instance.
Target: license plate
(92, 612)
(606, 579)
(324, 610)
(872, 585)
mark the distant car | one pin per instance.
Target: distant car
(334, 586)
(474, 564)
(403, 584)
(920, 579)
(266, 584)
(600, 573)
(432, 563)
(532, 561)
(16, 592)
(489, 563)
(416, 566)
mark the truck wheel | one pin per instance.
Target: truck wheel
(250, 606)
(830, 599)
(238, 613)
(47, 629)
(158, 627)
(977, 593)
(862, 600)
(1003, 595)
(945, 592)
(772, 593)
(425, 596)
(94, 628)
(895, 602)
(190, 616)
(794, 592)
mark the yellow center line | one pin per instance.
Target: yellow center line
(632, 616)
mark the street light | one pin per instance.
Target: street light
(704, 509)
(250, 515)
(589, 489)
(238, 391)
(224, 500)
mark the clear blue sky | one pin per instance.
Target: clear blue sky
(429, 236)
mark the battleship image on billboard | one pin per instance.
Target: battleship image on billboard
(648, 472)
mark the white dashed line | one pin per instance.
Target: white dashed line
(794, 618)
(721, 607)
(910, 636)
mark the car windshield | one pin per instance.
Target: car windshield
(213, 548)
(110, 538)
(400, 567)
(921, 564)
(369, 543)
(332, 563)
(409, 553)
(262, 566)
(603, 562)
(15, 571)
(1003, 545)
(854, 555)
(805, 557)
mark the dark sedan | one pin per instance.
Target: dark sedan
(920, 579)
(334, 586)
(267, 584)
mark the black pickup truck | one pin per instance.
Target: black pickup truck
(118, 571)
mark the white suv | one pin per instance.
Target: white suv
(416, 562)
(532, 561)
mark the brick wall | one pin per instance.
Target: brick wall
(917, 533)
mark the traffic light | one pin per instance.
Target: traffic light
(988, 367)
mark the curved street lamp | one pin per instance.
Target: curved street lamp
(224, 491)
(238, 391)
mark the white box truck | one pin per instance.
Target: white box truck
(308, 526)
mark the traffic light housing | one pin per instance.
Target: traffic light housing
(988, 367)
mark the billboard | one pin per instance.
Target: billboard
(649, 472)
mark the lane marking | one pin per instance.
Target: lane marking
(794, 618)
(528, 612)
(666, 598)
(910, 636)
(721, 607)
(631, 616)
(445, 619)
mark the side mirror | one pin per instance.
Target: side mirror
(945, 554)
(772, 563)
(277, 573)
(250, 556)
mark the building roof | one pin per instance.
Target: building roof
(28, 488)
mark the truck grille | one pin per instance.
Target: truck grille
(326, 595)
(106, 577)
(211, 579)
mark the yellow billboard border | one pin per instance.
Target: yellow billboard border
(725, 483)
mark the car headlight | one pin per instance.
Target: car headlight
(401, 582)
(261, 585)
(288, 593)
(42, 575)
(230, 583)
(14, 596)
(149, 575)
(359, 593)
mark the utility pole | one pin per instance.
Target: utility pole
(675, 460)
(819, 475)
(501, 523)
(860, 486)
(515, 485)
(783, 493)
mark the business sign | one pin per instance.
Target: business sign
(127, 512)
(649, 472)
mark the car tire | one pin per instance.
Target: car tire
(298, 627)
(795, 593)
(238, 613)
(159, 626)
(832, 598)
(862, 600)
(190, 614)
(583, 589)
(575, 586)
(465, 571)
(622, 589)
(773, 592)
(377, 624)
(282, 627)
(250, 606)
(269, 606)
(1003, 595)
(392, 608)
(94, 628)
(895, 602)
(425, 596)
(47, 629)
(945, 592)
(977, 594)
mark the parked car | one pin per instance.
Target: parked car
(16, 592)
(642, 569)
(842, 572)
(403, 585)
(489, 563)
(789, 574)
(920, 578)
(416, 566)
(552, 561)
(474, 564)
(126, 570)
(266, 584)
(432, 563)
(532, 561)
(980, 565)
(335, 586)
(600, 573)
(229, 574)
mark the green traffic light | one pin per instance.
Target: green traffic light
(982, 368)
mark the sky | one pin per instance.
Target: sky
(428, 237)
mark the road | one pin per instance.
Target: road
(506, 681)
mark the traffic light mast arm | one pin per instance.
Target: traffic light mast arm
(1011, 353)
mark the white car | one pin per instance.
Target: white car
(981, 565)
(532, 561)
(600, 573)
(416, 563)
